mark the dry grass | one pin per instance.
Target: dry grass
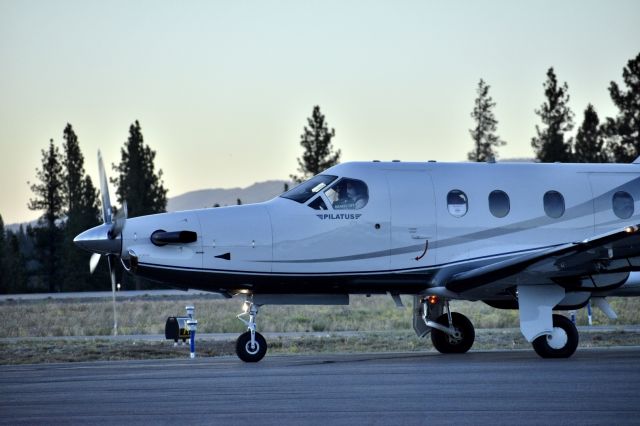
(381, 327)
(48, 318)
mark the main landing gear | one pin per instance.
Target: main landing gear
(250, 346)
(451, 332)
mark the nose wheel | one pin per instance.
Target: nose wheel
(458, 339)
(249, 351)
(251, 346)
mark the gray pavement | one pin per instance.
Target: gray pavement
(595, 386)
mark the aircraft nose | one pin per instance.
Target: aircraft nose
(96, 240)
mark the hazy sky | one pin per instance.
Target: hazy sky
(222, 89)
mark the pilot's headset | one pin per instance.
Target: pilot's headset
(353, 189)
(341, 189)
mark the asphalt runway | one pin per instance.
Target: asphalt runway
(595, 386)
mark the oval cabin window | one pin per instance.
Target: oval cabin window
(499, 204)
(457, 203)
(622, 204)
(553, 204)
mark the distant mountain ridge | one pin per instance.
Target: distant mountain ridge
(204, 198)
(256, 193)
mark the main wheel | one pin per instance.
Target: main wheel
(461, 342)
(561, 343)
(248, 352)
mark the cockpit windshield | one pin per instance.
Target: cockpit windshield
(308, 189)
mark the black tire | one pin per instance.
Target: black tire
(545, 347)
(447, 344)
(244, 350)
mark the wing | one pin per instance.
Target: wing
(597, 263)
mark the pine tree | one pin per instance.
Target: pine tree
(484, 138)
(48, 236)
(590, 139)
(624, 130)
(318, 153)
(15, 266)
(549, 144)
(137, 183)
(82, 213)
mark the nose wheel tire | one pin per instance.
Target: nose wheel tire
(458, 343)
(561, 343)
(248, 352)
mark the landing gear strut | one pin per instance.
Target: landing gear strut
(250, 346)
(451, 332)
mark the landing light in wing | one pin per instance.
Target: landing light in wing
(631, 229)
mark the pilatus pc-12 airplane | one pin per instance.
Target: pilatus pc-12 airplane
(532, 237)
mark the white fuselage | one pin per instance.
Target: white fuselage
(419, 219)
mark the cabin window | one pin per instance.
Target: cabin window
(348, 194)
(308, 189)
(457, 203)
(318, 204)
(553, 204)
(499, 203)
(622, 204)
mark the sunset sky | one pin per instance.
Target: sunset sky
(222, 89)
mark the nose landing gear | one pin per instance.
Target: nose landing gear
(451, 332)
(250, 346)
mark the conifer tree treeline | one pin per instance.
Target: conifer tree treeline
(590, 141)
(139, 186)
(82, 211)
(484, 133)
(137, 183)
(45, 258)
(549, 144)
(623, 131)
(12, 262)
(616, 139)
(318, 152)
(48, 235)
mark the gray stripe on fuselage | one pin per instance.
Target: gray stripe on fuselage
(371, 255)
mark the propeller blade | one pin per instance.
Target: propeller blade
(119, 222)
(93, 262)
(104, 189)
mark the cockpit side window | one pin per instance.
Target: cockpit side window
(308, 189)
(348, 194)
(318, 204)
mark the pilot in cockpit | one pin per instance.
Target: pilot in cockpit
(351, 195)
